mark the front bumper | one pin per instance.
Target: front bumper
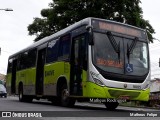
(96, 91)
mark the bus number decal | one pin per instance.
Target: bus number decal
(49, 73)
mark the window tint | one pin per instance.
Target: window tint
(10, 61)
(18, 62)
(23, 60)
(52, 50)
(64, 48)
(27, 59)
(31, 60)
(80, 50)
(139, 59)
(84, 53)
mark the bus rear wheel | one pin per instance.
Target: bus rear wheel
(111, 105)
(65, 99)
(21, 96)
(56, 101)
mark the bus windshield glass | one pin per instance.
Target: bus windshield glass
(113, 56)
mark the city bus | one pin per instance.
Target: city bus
(91, 59)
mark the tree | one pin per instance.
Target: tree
(63, 13)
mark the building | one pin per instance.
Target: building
(155, 85)
(155, 92)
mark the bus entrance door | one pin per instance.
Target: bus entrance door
(77, 65)
(40, 71)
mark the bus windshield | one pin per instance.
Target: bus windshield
(120, 56)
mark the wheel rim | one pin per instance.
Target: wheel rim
(65, 94)
(20, 95)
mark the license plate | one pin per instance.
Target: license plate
(124, 97)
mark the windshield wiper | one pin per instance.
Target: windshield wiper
(130, 48)
(114, 44)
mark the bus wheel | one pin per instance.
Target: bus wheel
(28, 99)
(111, 105)
(21, 96)
(56, 101)
(65, 99)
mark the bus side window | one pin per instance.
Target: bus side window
(18, 63)
(23, 60)
(64, 47)
(85, 61)
(9, 69)
(82, 50)
(52, 50)
(31, 59)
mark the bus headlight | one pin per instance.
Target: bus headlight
(96, 79)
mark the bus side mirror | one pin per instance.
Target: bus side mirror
(90, 35)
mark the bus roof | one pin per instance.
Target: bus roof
(86, 21)
(55, 35)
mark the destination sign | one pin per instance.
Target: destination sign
(109, 63)
(119, 28)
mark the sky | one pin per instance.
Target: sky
(13, 26)
(14, 34)
(151, 13)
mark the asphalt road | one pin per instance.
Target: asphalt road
(43, 109)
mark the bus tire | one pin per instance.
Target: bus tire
(28, 98)
(65, 99)
(21, 96)
(111, 105)
(56, 101)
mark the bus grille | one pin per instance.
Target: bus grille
(118, 93)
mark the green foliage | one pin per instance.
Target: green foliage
(63, 13)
